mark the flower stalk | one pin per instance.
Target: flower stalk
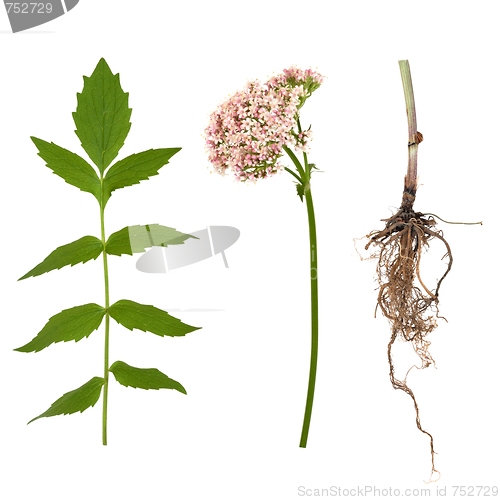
(314, 319)
(305, 176)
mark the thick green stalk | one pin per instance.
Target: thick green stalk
(106, 334)
(290, 171)
(297, 164)
(414, 137)
(305, 178)
(314, 319)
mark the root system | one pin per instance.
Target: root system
(410, 306)
(404, 299)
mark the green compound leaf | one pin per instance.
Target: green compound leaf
(71, 324)
(135, 239)
(102, 117)
(78, 400)
(143, 378)
(71, 167)
(135, 168)
(79, 251)
(148, 319)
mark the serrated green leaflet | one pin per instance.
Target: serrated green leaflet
(102, 117)
(79, 251)
(135, 239)
(143, 378)
(78, 400)
(71, 324)
(300, 191)
(135, 168)
(148, 319)
(71, 167)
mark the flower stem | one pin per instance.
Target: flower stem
(294, 174)
(297, 164)
(305, 176)
(106, 334)
(306, 164)
(314, 319)
(414, 137)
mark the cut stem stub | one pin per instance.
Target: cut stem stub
(414, 138)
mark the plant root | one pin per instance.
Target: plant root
(409, 305)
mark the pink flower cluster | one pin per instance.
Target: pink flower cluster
(247, 132)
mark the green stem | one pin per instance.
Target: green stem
(314, 319)
(306, 164)
(304, 179)
(106, 335)
(294, 174)
(297, 164)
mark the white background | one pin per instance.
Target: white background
(235, 435)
